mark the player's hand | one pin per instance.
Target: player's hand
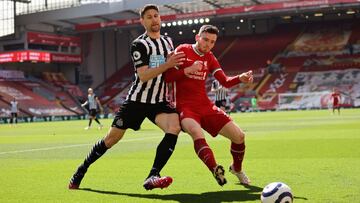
(175, 59)
(197, 66)
(246, 77)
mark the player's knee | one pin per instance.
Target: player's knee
(240, 136)
(173, 126)
(174, 129)
(195, 132)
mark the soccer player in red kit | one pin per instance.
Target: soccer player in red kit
(196, 110)
(336, 97)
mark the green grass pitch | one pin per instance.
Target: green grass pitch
(316, 153)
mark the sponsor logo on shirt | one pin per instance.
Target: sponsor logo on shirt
(156, 61)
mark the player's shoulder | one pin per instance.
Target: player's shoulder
(166, 38)
(184, 47)
(139, 40)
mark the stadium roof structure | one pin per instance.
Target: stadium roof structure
(83, 15)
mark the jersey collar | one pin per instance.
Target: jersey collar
(196, 50)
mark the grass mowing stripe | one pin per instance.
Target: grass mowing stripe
(67, 146)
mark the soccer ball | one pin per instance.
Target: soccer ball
(276, 192)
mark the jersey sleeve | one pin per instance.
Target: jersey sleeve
(177, 72)
(214, 64)
(139, 54)
(218, 73)
(169, 40)
(186, 63)
(226, 81)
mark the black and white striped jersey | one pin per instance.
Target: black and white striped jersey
(150, 52)
(220, 91)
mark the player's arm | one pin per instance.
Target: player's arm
(84, 104)
(228, 82)
(145, 73)
(140, 57)
(223, 79)
(98, 102)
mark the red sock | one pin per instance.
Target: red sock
(237, 151)
(204, 152)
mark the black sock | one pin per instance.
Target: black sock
(90, 120)
(163, 153)
(97, 121)
(96, 152)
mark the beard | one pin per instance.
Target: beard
(155, 28)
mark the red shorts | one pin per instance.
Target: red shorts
(210, 117)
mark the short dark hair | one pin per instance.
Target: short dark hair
(209, 29)
(148, 7)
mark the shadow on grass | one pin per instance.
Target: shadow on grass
(251, 193)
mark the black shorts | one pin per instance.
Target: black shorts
(14, 115)
(220, 103)
(132, 114)
(93, 112)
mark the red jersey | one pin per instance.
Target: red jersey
(190, 90)
(336, 98)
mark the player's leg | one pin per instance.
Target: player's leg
(166, 118)
(99, 149)
(95, 116)
(202, 149)
(97, 121)
(129, 116)
(169, 123)
(334, 106)
(89, 124)
(233, 132)
(16, 120)
(12, 118)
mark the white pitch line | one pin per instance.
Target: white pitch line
(68, 146)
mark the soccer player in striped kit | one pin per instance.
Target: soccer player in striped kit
(94, 104)
(147, 98)
(221, 95)
(196, 110)
(14, 111)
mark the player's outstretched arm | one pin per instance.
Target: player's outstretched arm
(228, 82)
(84, 104)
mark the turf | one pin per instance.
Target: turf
(317, 154)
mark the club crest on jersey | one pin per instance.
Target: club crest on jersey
(120, 122)
(156, 60)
